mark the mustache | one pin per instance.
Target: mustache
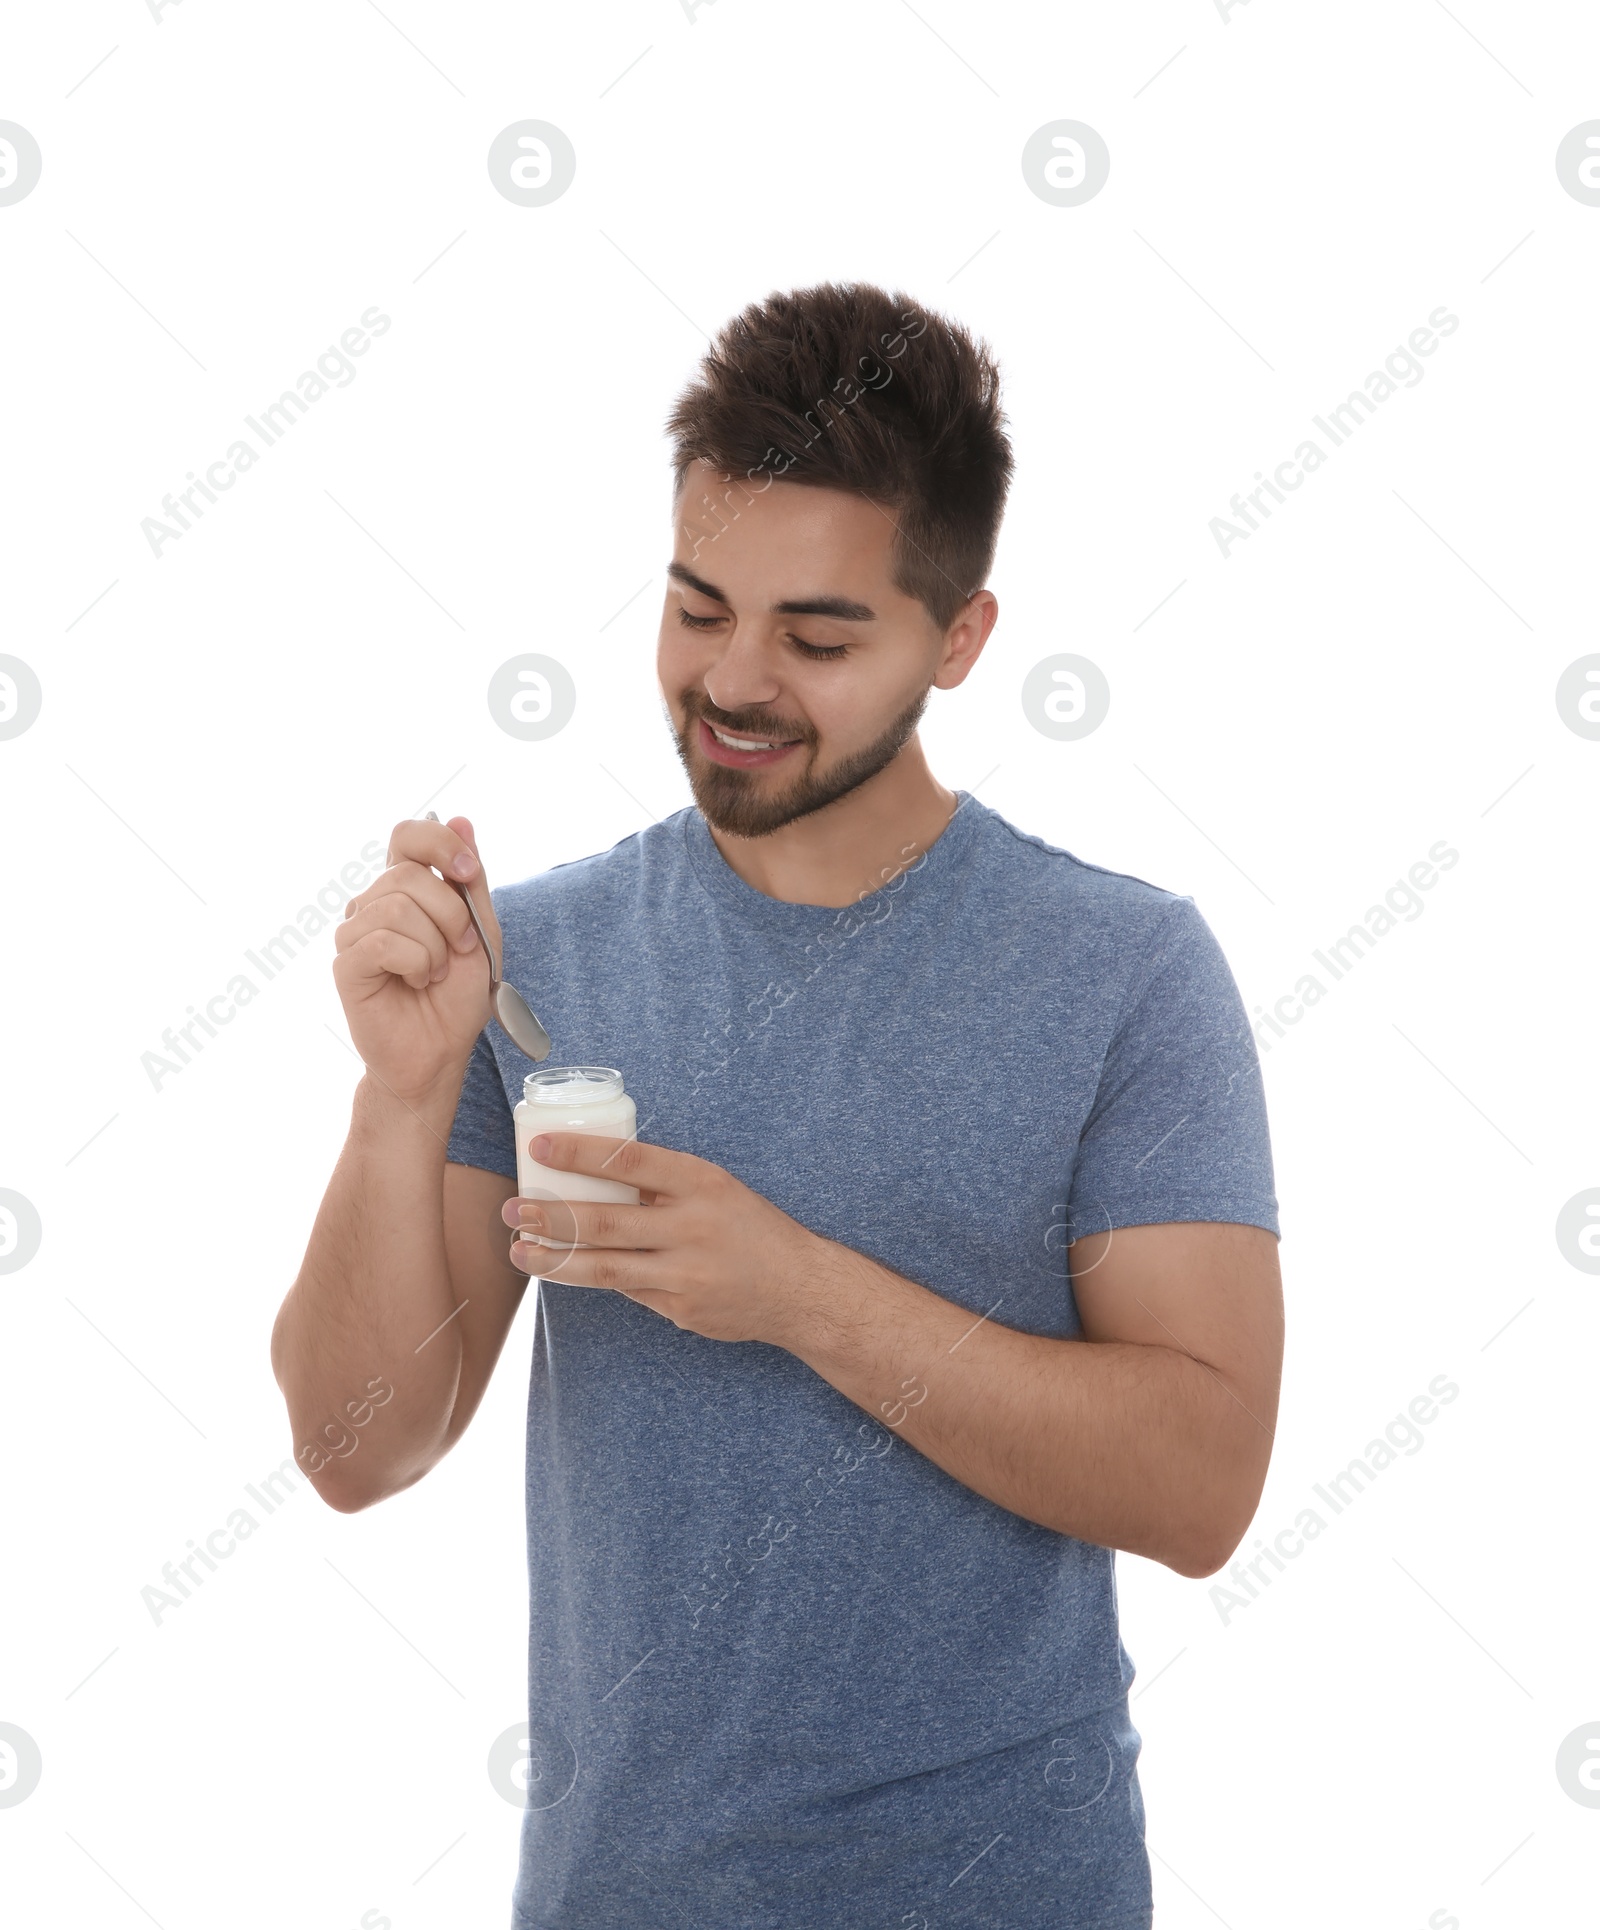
(744, 723)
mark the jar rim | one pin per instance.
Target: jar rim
(572, 1085)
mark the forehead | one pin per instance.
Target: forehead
(784, 540)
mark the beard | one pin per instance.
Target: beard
(736, 802)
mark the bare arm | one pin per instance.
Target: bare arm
(1151, 1432)
(385, 1341)
(384, 1344)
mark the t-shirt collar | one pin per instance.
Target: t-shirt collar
(728, 888)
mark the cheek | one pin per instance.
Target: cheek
(858, 701)
(681, 660)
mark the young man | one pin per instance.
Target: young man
(955, 1266)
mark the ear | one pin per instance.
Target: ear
(965, 638)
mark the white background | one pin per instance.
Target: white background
(1372, 1739)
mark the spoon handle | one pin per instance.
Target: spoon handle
(472, 911)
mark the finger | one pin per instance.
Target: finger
(660, 1300)
(632, 1161)
(594, 1223)
(478, 889)
(426, 841)
(600, 1267)
(512, 1209)
(431, 894)
(401, 914)
(385, 951)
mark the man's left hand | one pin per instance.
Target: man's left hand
(700, 1248)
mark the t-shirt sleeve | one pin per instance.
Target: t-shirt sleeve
(1178, 1128)
(483, 1134)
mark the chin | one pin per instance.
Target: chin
(740, 809)
(741, 804)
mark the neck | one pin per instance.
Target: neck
(854, 845)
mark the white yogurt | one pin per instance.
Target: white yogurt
(571, 1099)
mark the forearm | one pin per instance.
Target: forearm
(1121, 1444)
(374, 1285)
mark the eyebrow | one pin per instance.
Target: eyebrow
(846, 609)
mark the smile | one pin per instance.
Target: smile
(724, 747)
(743, 743)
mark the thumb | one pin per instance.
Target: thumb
(478, 885)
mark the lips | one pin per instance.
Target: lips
(721, 753)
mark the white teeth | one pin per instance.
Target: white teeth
(739, 743)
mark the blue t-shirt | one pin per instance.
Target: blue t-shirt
(785, 1673)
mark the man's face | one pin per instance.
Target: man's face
(783, 630)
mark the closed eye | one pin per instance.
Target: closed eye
(817, 652)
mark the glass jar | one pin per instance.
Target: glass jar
(571, 1099)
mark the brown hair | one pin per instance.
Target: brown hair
(844, 386)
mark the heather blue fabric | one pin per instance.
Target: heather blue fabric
(784, 1672)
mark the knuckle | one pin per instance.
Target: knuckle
(389, 951)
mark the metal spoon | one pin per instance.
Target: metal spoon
(505, 1001)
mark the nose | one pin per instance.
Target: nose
(742, 677)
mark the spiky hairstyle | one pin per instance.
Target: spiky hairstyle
(844, 386)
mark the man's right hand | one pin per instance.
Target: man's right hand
(409, 969)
